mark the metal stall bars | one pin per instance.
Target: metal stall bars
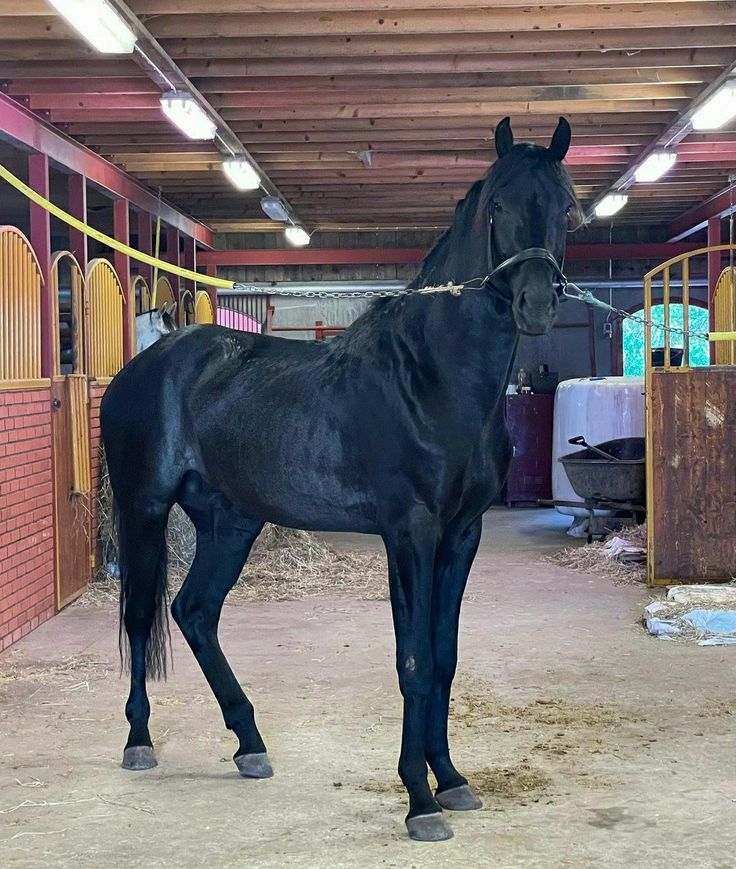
(691, 444)
(20, 308)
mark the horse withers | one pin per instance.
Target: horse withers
(395, 428)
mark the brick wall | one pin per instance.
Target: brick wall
(27, 588)
(96, 391)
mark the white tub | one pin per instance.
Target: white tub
(600, 409)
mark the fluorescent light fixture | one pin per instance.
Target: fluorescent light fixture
(654, 167)
(241, 173)
(274, 208)
(716, 111)
(297, 235)
(610, 204)
(184, 111)
(98, 23)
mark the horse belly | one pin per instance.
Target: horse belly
(296, 478)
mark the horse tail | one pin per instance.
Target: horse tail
(144, 590)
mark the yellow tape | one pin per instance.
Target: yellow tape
(106, 239)
(722, 336)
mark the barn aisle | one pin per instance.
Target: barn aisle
(592, 743)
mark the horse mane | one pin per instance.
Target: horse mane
(473, 208)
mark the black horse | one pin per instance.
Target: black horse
(394, 428)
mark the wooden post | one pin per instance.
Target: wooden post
(212, 272)
(145, 244)
(77, 207)
(121, 232)
(172, 256)
(190, 262)
(38, 180)
(714, 271)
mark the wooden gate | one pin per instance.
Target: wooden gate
(724, 304)
(69, 391)
(203, 311)
(20, 308)
(105, 299)
(691, 448)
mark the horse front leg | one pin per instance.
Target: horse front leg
(411, 561)
(454, 560)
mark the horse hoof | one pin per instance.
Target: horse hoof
(139, 757)
(428, 828)
(254, 765)
(459, 799)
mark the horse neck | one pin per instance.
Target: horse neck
(468, 341)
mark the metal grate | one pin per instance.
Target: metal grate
(254, 307)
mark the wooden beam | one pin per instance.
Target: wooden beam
(717, 206)
(560, 18)
(623, 39)
(27, 8)
(497, 108)
(399, 256)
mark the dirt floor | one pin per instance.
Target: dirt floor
(591, 743)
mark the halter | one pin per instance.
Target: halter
(522, 256)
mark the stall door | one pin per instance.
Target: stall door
(71, 434)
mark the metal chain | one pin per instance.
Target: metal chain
(587, 296)
(578, 295)
(454, 289)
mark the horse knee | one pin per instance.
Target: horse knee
(415, 675)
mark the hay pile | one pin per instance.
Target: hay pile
(284, 564)
(590, 558)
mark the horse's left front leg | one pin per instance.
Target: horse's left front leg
(454, 560)
(411, 553)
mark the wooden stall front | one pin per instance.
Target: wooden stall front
(691, 448)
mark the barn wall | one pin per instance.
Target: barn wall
(27, 590)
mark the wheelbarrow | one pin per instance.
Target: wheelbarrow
(611, 471)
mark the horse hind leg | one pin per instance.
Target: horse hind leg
(142, 541)
(224, 540)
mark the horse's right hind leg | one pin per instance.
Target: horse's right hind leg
(224, 540)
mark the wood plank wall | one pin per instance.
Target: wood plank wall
(694, 474)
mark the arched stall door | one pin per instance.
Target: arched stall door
(20, 308)
(724, 309)
(70, 395)
(105, 299)
(142, 295)
(203, 311)
(164, 295)
(186, 309)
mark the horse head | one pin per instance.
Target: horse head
(152, 325)
(528, 200)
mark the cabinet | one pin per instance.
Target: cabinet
(529, 419)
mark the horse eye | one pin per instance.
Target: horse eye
(497, 206)
(568, 210)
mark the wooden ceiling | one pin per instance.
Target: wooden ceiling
(309, 86)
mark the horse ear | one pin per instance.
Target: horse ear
(171, 309)
(560, 141)
(504, 138)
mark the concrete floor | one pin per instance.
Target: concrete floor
(626, 742)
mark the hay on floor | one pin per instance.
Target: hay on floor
(590, 558)
(284, 564)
